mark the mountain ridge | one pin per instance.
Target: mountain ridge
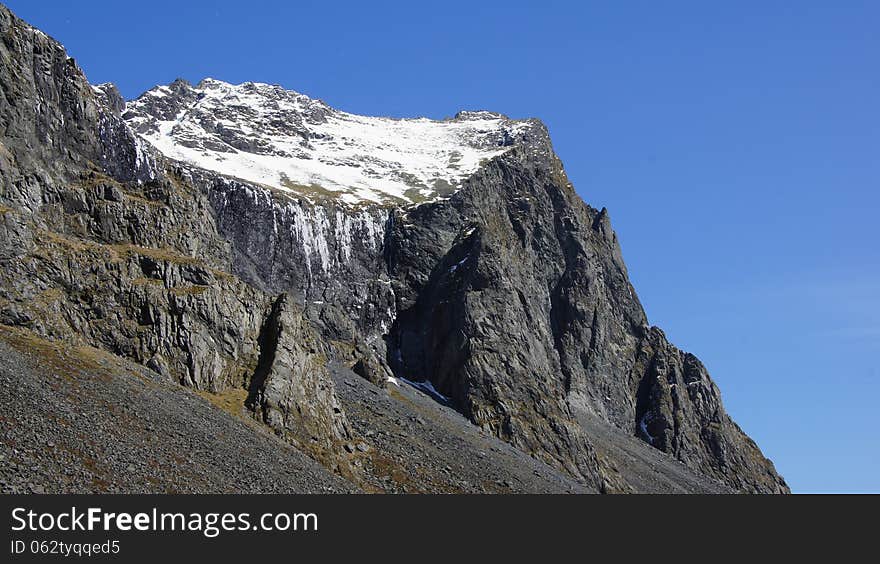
(508, 295)
(281, 138)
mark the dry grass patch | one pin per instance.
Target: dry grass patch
(231, 401)
(188, 290)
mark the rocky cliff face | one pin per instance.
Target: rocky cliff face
(126, 256)
(480, 272)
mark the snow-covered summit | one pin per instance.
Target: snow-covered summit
(265, 134)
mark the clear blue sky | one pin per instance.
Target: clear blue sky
(736, 145)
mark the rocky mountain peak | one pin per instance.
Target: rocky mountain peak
(506, 296)
(267, 135)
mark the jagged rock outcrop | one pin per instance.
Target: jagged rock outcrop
(291, 389)
(525, 316)
(679, 411)
(48, 110)
(501, 287)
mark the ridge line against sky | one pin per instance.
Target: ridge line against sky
(735, 147)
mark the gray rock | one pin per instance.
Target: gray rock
(291, 390)
(510, 297)
(371, 371)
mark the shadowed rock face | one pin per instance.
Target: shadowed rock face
(510, 296)
(525, 316)
(679, 411)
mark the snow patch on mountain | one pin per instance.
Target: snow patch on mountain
(279, 138)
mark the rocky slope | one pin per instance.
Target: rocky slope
(80, 420)
(250, 241)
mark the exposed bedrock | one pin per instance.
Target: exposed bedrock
(291, 389)
(509, 296)
(103, 245)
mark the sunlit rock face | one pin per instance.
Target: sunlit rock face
(274, 137)
(242, 238)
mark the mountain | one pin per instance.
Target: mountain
(272, 137)
(415, 305)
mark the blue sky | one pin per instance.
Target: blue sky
(736, 147)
